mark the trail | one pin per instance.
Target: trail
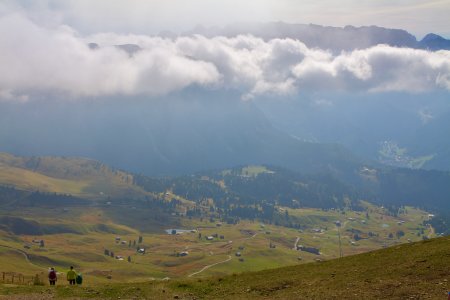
(248, 238)
(27, 258)
(209, 266)
(296, 242)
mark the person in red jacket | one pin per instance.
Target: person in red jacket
(52, 278)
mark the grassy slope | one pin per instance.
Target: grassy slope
(75, 176)
(418, 270)
(410, 271)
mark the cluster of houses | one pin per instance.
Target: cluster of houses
(214, 236)
(39, 242)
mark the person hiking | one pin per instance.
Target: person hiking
(71, 276)
(79, 279)
(52, 276)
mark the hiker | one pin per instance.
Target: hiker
(79, 279)
(71, 276)
(52, 276)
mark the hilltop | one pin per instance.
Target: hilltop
(410, 271)
(76, 176)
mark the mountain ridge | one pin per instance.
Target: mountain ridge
(328, 37)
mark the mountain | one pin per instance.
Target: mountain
(178, 135)
(404, 130)
(434, 42)
(326, 37)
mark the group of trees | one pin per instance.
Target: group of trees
(233, 195)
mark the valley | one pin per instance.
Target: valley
(226, 248)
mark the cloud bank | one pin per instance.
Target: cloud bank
(57, 59)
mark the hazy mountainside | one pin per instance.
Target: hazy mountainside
(371, 125)
(327, 37)
(430, 138)
(167, 136)
(254, 191)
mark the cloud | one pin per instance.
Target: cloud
(56, 59)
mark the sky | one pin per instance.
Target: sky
(44, 48)
(150, 17)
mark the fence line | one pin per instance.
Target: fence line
(19, 278)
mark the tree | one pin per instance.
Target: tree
(140, 239)
(41, 244)
(400, 233)
(129, 259)
(106, 252)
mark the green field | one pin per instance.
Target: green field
(409, 271)
(95, 229)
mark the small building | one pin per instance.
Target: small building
(308, 249)
(209, 238)
(141, 250)
(184, 253)
(238, 254)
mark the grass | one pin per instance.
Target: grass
(28, 180)
(95, 231)
(408, 271)
(76, 176)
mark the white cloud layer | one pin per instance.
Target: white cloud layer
(46, 59)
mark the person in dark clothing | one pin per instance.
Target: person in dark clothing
(52, 277)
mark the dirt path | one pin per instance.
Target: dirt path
(25, 255)
(209, 266)
(296, 242)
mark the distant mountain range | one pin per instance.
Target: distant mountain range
(327, 37)
(197, 130)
